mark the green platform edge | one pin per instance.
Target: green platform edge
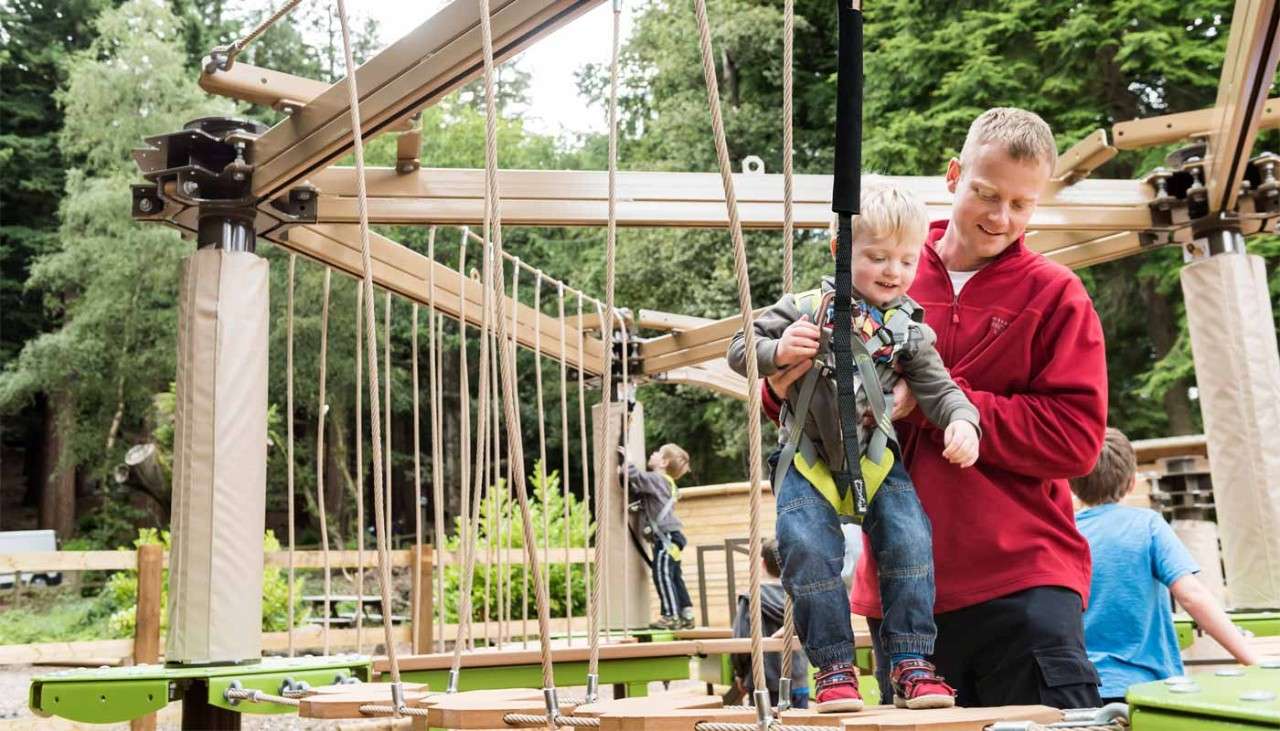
(115, 695)
(1216, 706)
(634, 673)
(1260, 624)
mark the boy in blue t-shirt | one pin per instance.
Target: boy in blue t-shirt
(1137, 563)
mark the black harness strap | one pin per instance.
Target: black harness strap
(845, 196)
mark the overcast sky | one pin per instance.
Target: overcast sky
(552, 61)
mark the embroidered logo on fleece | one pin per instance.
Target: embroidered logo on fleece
(998, 325)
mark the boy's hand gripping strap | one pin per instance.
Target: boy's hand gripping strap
(845, 196)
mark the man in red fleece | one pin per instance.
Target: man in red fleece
(1020, 336)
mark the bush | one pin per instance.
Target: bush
(500, 507)
(118, 601)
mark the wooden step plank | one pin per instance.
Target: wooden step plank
(486, 709)
(646, 704)
(348, 705)
(949, 719)
(348, 689)
(684, 720)
(810, 717)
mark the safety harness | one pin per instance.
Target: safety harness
(651, 529)
(879, 337)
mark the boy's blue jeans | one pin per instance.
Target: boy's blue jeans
(811, 548)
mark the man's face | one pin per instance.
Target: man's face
(995, 196)
(884, 269)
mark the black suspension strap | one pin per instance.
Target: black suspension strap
(845, 196)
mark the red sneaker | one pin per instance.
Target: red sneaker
(837, 689)
(916, 684)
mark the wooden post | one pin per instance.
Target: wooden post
(146, 629)
(423, 565)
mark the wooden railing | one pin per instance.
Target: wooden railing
(147, 645)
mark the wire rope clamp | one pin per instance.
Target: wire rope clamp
(764, 712)
(593, 688)
(232, 694)
(553, 705)
(453, 682)
(397, 698)
(784, 694)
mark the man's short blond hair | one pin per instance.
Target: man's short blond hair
(1022, 134)
(1112, 476)
(677, 460)
(889, 211)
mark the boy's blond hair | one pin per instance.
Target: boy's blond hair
(1022, 134)
(677, 460)
(888, 211)
(1112, 476)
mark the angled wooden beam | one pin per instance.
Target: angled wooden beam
(407, 273)
(693, 200)
(713, 375)
(1168, 128)
(1253, 49)
(655, 320)
(1084, 157)
(430, 61)
(1097, 250)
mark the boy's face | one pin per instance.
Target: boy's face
(995, 196)
(884, 268)
(657, 462)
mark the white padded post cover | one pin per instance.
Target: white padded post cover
(619, 549)
(220, 460)
(1233, 341)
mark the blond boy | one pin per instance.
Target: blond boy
(888, 236)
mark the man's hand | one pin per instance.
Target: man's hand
(961, 443)
(781, 381)
(799, 342)
(904, 402)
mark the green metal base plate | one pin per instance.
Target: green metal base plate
(113, 695)
(1259, 624)
(635, 673)
(1233, 698)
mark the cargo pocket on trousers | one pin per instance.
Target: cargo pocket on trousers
(1065, 666)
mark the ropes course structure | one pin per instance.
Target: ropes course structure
(282, 188)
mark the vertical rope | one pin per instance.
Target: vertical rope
(386, 420)
(375, 424)
(605, 462)
(437, 453)
(321, 408)
(589, 568)
(465, 532)
(788, 176)
(507, 356)
(626, 475)
(415, 599)
(545, 497)
(744, 304)
(604, 491)
(360, 467)
(788, 235)
(293, 262)
(564, 467)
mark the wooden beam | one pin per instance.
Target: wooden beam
(713, 375)
(424, 616)
(1084, 157)
(655, 320)
(691, 200)
(711, 332)
(146, 629)
(408, 273)
(1139, 133)
(418, 70)
(1253, 49)
(1095, 251)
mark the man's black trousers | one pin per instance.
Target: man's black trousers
(1026, 648)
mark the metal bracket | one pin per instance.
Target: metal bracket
(299, 205)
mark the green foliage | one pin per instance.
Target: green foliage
(501, 527)
(118, 600)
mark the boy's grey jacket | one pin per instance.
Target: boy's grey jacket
(653, 491)
(940, 398)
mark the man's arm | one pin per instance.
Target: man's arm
(1054, 429)
(1192, 595)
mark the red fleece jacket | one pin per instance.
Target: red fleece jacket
(1024, 342)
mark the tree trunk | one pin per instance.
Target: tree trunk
(58, 478)
(730, 70)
